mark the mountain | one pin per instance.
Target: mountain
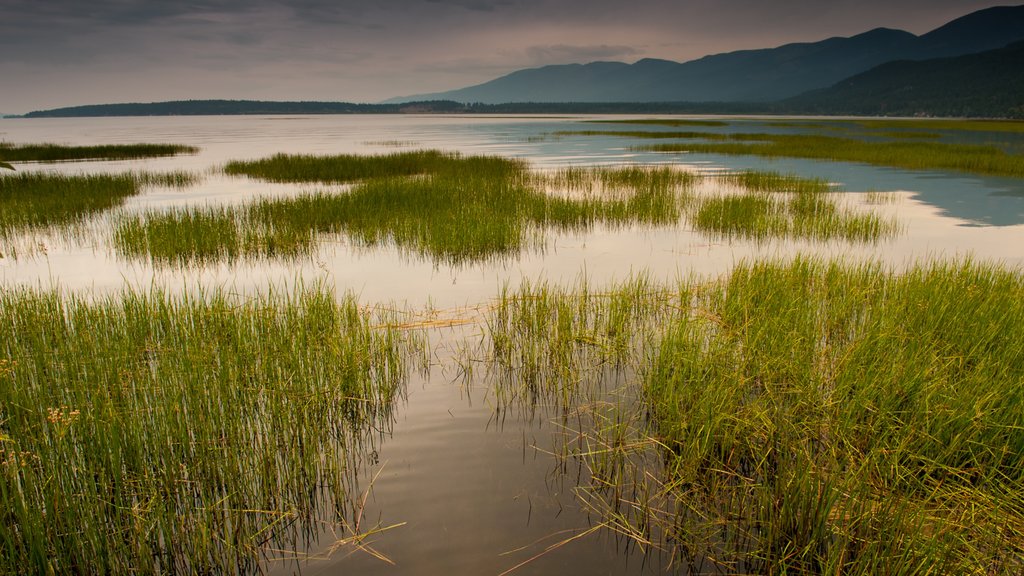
(986, 84)
(746, 75)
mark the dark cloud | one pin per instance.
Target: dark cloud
(66, 52)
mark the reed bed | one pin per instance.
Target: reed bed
(829, 418)
(664, 122)
(466, 209)
(35, 200)
(773, 205)
(144, 433)
(60, 153)
(912, 155)
(342, 168)
(801, 417)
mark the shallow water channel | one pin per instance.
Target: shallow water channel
(456, 485)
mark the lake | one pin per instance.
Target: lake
(457, 482)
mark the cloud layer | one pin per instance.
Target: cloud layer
(67, 52)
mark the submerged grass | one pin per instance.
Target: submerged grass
(146, 433)
(58, 153)
(810, 417)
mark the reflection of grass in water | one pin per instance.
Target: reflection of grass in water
(181, 434)
(56, 152)
(810, 417)
(463, 209)
(32, 200)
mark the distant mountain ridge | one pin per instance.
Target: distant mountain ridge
(985, 84)
(748, 75)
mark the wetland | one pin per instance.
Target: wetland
(511, 345)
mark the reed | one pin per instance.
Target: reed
(36, 200)
(773, 205)
(801, 417)
(156, 434)
(912, 155)
(469, 209)
(341, 168)
(830, 418)
(59, 153)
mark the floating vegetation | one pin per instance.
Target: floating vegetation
(189, 434)
(58, 153)
(805, 417)
(464, 209)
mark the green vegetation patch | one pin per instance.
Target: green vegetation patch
(664, 122)
(57, 153)
(343, 167)
(902, 154)
(181, 434)
(34, 200)
(464, 209)
(800, 417)
(773, 205)
(825, 418)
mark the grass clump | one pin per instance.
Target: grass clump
(341, 168)
(464, 209)
(35, 200)
(837, 419)
(59, 153)
(912, 155)
(775, 205)
(181, 434)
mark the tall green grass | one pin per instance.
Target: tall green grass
(35, 200)
(801, 417)
(343, 167)
(57, 152)
(466, 209)
(824, 418)
(900, 154)
(773, 205)
(195, 434)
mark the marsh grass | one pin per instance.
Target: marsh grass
(912, 155)
(35, 200)
(826, 418)
(461, 210)
(342, 168)
(803, 417)
(59, 153)
(158, 434)
(664, 122)
(773, 205)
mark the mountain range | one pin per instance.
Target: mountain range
(764, 75)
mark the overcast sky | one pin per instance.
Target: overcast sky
(68, 52)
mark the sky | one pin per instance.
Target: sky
(57, 53)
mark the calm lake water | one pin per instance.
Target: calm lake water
(469, 490)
